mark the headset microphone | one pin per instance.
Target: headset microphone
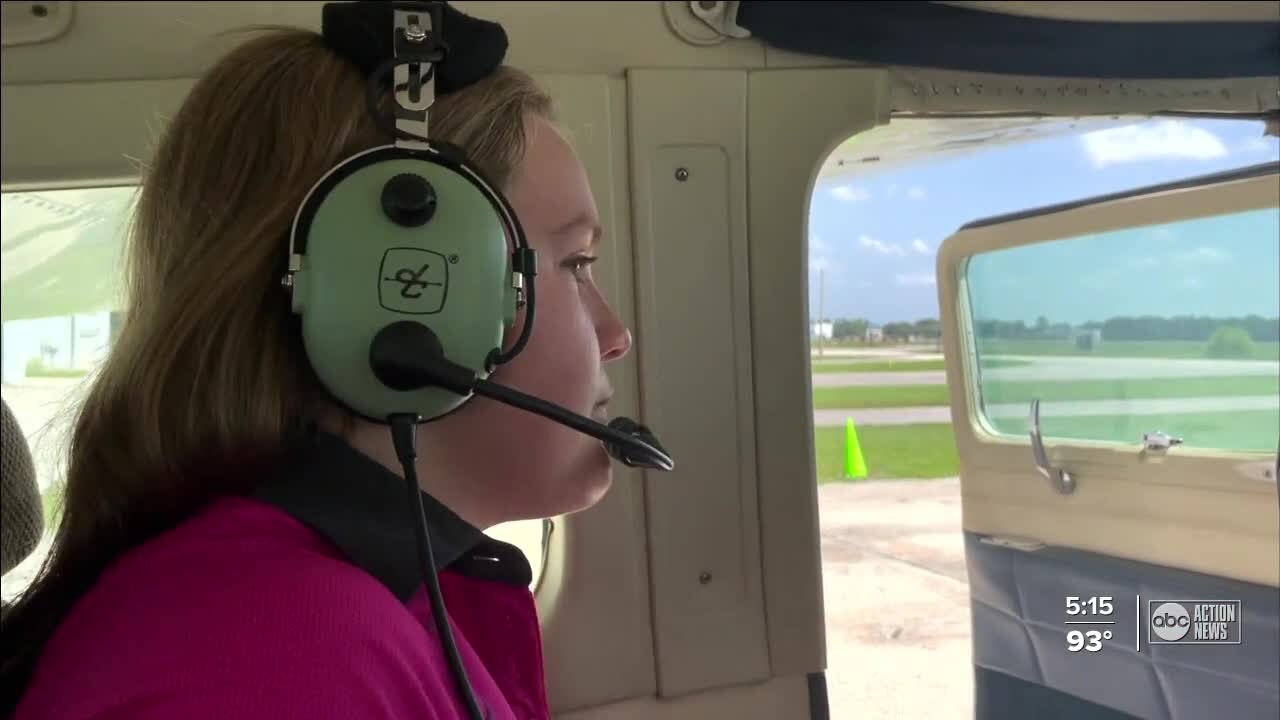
(407, 355)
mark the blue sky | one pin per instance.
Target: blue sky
(876, 235)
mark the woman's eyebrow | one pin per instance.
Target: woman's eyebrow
(584, 221)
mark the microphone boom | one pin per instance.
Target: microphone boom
(624, 439)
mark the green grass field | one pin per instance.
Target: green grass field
(63, 373)
(891, 451)
(928, 450)
(878, 396)
(839, 365)
(834, 365)
(1248, 430)
(883, 396)
(1136, 388)
(1107, 348)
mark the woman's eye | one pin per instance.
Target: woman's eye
(581, 265)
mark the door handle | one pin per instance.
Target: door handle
(1059, 479)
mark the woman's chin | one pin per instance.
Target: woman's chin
(590, 486)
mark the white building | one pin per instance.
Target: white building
(822, 330)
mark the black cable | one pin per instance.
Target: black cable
(404, 435)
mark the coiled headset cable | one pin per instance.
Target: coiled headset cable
(404, 435)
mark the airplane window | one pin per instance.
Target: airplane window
(1171, 328)
(61, 308)
(60, 313)
(1164, 324)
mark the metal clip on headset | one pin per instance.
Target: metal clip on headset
(418, 48)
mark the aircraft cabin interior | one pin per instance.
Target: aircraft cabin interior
(1097, 383)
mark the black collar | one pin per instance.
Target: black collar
(364, 510)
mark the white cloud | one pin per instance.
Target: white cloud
(916, 193)
(1203, 255)
(851, 194)
(1166, 139)
(915, 279)
(880, 246)
(818, 261)
(919, 246)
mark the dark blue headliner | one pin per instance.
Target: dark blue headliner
(934, 35)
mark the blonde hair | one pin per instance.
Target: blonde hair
(208, 371)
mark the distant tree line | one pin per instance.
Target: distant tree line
(856, 328)
(1190, 328)
(1147, 327)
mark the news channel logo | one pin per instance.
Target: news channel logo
(1193, 622)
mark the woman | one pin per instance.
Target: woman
(236, 545)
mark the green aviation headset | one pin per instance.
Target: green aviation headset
(402, 269)
(410, 241)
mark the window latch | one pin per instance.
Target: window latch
(1059, 479)
(1159, 440)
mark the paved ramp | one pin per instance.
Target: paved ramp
(896, 595)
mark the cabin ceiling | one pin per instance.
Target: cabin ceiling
(65, 41)
(130, 49)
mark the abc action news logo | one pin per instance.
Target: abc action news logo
(1194, 622)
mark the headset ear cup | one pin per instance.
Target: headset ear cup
(363, 267)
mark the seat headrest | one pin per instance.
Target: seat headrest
(21, 510)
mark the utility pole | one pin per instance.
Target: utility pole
(822, 301)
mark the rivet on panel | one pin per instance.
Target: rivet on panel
(704, 577)
(682, 174)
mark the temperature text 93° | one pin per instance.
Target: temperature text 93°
(1090, 640)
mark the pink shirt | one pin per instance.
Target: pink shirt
(299, 603)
